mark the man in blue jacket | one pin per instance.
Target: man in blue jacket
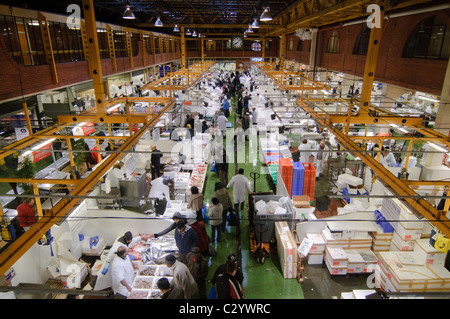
(186, 238)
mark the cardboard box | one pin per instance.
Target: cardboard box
(427, 254)
(289, 270)
(286, 244)
(301, 201)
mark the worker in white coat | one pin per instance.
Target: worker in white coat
(222, 123)
(122, 273)
(104, 279)
(241, 186)
(321, 158)
(387, 158)
(304, 149)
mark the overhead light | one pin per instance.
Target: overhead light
(199, 35)
(194, 33)
(176, 28)
(428, 99)
(188, 32)
(128, 14)
(158, 22)
(255, 24)
(249, 30)
(265, 16)
(245, 34)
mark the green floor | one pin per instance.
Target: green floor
(261, 281)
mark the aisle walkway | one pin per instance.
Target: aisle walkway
(261, 281)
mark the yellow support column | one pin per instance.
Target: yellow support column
(371, 59)
(203, 49)
(85, 44)
(152, 42)
(282, 47)
(129, 48)
(263, 49)
(111, 48)
(27, 117)
(47, 43)
(94, 55)
(183, 50)
(144, 62)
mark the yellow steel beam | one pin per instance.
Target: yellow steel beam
(47, 44)
(60, 211)
(420, 206)
(94, 56)
(282, 47)
(94, 118)
(111, 47)
(129, 48)
(371, 59)
(367, 119)
(183, 49)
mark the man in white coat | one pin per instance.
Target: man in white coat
(122, 274)
(321, 158)
(222, 123)
(387, 158)
(241, 186)
(104, 279)
(304, 149)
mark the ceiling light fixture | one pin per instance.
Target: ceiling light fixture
(188, 32)
(194, 33)
(128, 14)
(265, 16)
(255, 24)
(249, 30)
(176, 28)
(158, 22)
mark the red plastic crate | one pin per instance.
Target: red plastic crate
(309, 183)
(286, 167)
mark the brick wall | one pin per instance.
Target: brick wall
(416, 74)
(39, 78)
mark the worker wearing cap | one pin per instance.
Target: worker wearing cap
(198, 266)
(181, 276)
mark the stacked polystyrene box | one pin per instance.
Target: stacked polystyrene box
(145, 283)
(427, 254)
(287, 250)
(381, 240)
(407, 227)
(336, 260)
(405, 271)
(347, 239)
(315, 255)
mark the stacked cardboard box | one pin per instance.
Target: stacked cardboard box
(287, 250)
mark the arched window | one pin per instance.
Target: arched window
(362, 44)
(430, 40)
(333, 43)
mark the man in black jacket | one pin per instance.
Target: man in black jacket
(156, 162)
